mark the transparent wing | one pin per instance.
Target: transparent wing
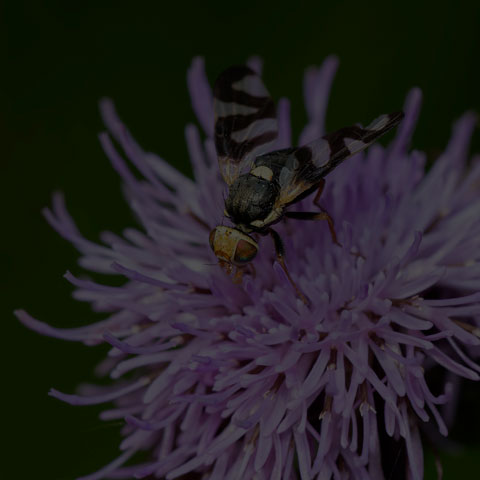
(300, 170)
(245, 120)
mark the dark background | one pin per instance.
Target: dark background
(59, 60)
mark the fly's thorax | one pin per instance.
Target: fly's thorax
(252, 197)
(233, 246)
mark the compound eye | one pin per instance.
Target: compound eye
(211, 238)
(245, 252)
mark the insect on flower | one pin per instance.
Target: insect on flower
(220, 381)
(263, 183)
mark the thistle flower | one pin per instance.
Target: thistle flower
(244, 381)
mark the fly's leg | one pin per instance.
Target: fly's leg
(316, 200)
(316, 216)
(280, 252)
(320, 216)
(326, 216)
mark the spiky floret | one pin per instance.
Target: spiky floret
(246, 381)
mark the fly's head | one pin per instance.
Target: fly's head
(232, 247)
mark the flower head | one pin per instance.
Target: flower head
(244, 380)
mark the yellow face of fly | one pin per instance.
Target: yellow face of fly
(233, 246)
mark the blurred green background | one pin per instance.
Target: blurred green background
(58, 60)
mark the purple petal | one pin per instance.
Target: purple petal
(81, 334)
(405, 130)
(201, 94)
(111, 467)
(107, 397)
(316, 91)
